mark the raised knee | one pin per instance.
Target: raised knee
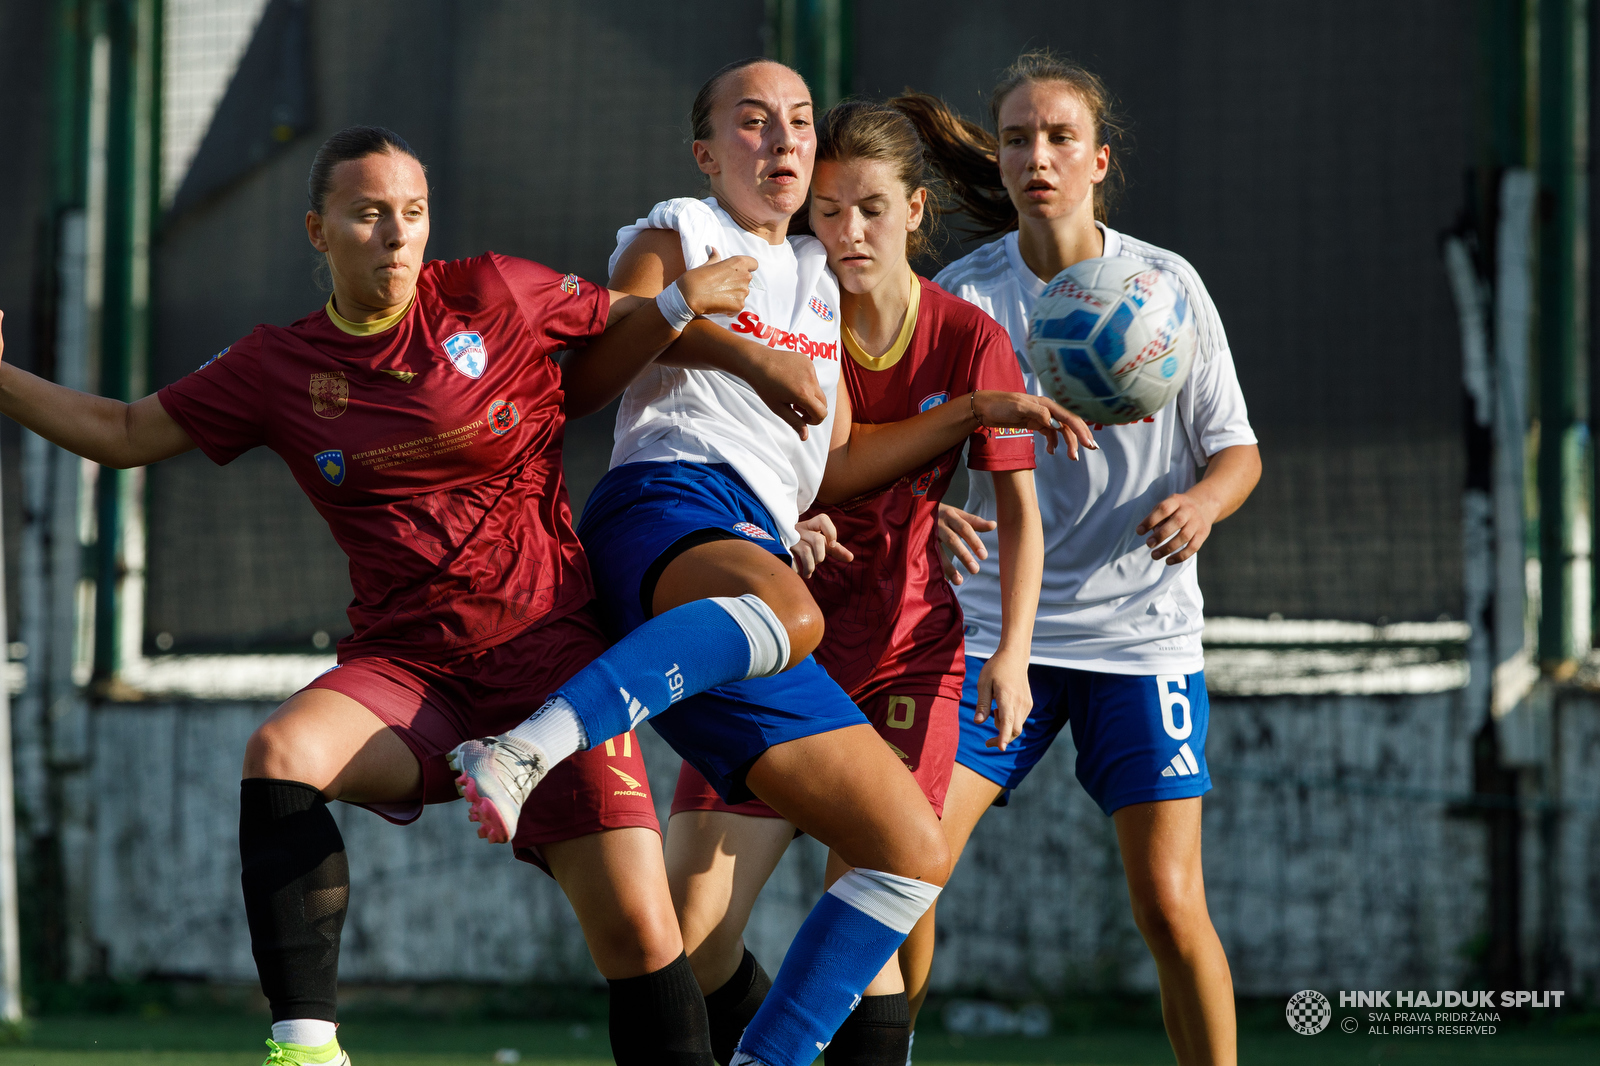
(805, 627)
(281, 753)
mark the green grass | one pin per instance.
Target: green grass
(232, 1040)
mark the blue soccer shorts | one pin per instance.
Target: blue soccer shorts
(636, 516)
(1139, 738)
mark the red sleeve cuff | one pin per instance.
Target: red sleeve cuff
(1001, 462)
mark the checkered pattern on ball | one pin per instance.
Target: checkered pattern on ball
(1309, 1012)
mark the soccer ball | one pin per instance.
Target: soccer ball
(1112, 339)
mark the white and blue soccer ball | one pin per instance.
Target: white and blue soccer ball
(1112, 339)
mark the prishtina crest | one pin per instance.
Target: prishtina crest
(331, 463)
(330, 394)
(467, 353)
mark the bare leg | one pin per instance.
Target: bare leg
(738, 568)
(847, 789)
(969, 797)
(617, 885)
(716, 863)
(1160, 845)
(327, 740)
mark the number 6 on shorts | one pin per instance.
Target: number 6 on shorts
(1170, 701)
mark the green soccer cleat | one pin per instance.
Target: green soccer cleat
(329, 1054)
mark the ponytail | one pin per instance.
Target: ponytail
(965, 154)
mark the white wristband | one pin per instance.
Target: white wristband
(674, 308)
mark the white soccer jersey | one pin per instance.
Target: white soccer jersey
(710, 417)
(1105, 605)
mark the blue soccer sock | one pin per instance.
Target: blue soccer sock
(678, 653)
(856, 927)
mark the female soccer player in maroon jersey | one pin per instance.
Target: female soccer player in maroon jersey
(421, 411)
(893, 627)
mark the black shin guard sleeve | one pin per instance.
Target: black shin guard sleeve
(660, 1019)
(296, 888)
(877, 1033)
(731, 1007)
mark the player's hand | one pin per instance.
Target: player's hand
(819, 540)
(959, 542)
(718, 286)
(1003, 685)
(1021, 410)
(1177, 527)
(788, 386)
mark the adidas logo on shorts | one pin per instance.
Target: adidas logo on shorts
(1183, 764)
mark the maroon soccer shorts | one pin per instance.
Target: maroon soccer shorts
(435, 706)
(921, 728)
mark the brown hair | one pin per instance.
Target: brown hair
(352, 142)
(858, 129)
(968, 155)
(700, 127)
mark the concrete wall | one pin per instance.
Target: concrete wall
(1332, 861)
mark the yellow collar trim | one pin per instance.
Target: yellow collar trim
(901, 343)
(367, 329)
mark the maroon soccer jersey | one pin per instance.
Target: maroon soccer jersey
(432, 449)
(892, 618)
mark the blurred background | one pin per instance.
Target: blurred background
(1388, 203)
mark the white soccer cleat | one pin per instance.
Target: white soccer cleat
(495, 776)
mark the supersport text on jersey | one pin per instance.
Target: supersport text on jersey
(706, 416)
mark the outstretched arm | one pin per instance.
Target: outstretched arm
(637, 332)
(866, 456)
(106, 431)
(1003, 682)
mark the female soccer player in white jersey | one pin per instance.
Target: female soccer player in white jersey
(690, 537)
(420, 411)
(894, 630)
(1116, 647)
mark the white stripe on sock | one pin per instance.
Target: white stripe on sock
(895, 901)
(769, 641)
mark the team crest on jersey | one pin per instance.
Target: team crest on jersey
(925, 482)
(751, 530)
(224, 352)
(822, 310)
(930, 402)
(330, 394)
(569, 284)
(503, 417)
(331, 464)
(467, 353)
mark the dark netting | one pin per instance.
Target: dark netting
(544, 127)
(1305, 158)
